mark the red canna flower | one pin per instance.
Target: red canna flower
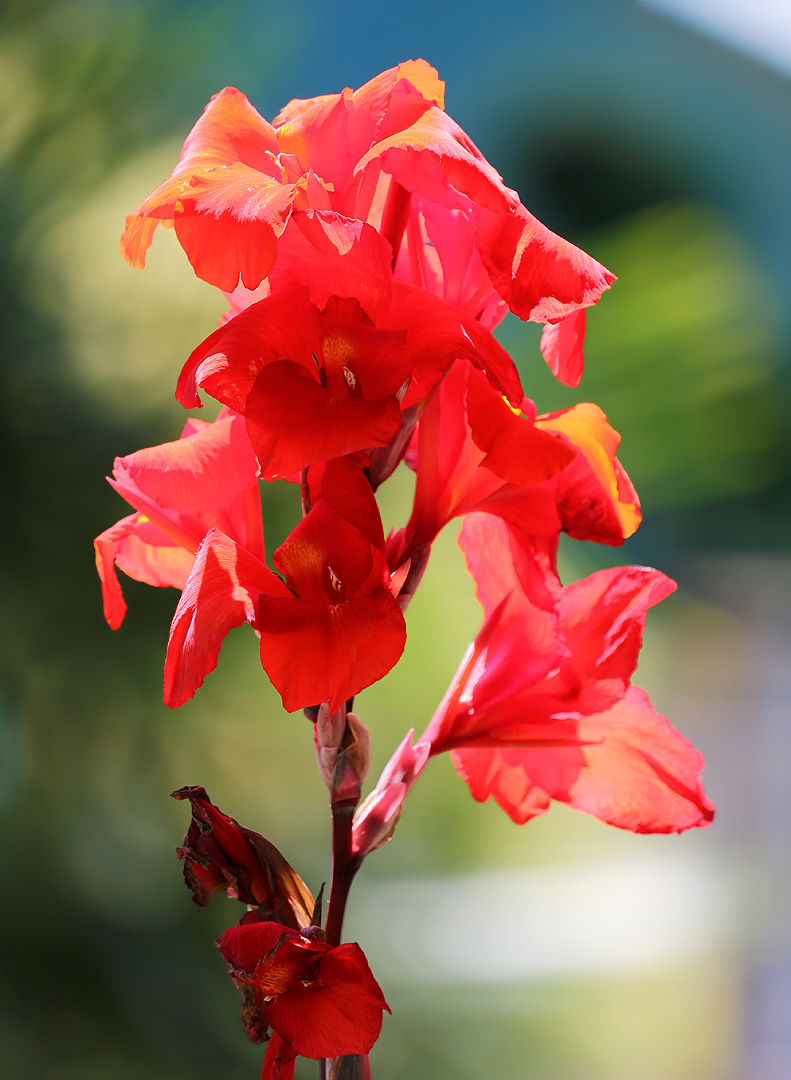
(325, 365)
(239, 177)
(542, 708)
(321, 1000)
(206, 479)
(328, 628)
(363, 155)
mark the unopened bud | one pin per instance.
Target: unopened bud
(343, 753)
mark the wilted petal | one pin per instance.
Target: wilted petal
(222, 856)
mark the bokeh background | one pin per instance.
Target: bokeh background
(658, 137)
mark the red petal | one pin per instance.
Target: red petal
(359, 360)
(279, 1059)
(340, 1015)
(228, 223)
(144, 553)
(641, 774)
(394, 100)
(327, 560)
(540, 275)
(515, 449)
(292, 963)
(227, 363)
(335, 256)
(204, 470)
(220, 593)
(603, 616)
(333, 131)
(294, 422)
(452, 478)
(337, 552)
(244, 947)
(634, 770)
(316, 652)
(438, 334)
(434, 158)
(439, 254)
(105, 548)
(226, 195)
(489, 776)
(561, 347)
(500, 564)
(345, 489)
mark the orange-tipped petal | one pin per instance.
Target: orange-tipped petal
(596, 499)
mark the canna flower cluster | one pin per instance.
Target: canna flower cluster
(367, 250)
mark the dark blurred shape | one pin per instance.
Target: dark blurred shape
(593, 178)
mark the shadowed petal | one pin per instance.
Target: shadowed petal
(220, 593)
(144, 553)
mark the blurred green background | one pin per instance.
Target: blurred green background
(559, 949)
